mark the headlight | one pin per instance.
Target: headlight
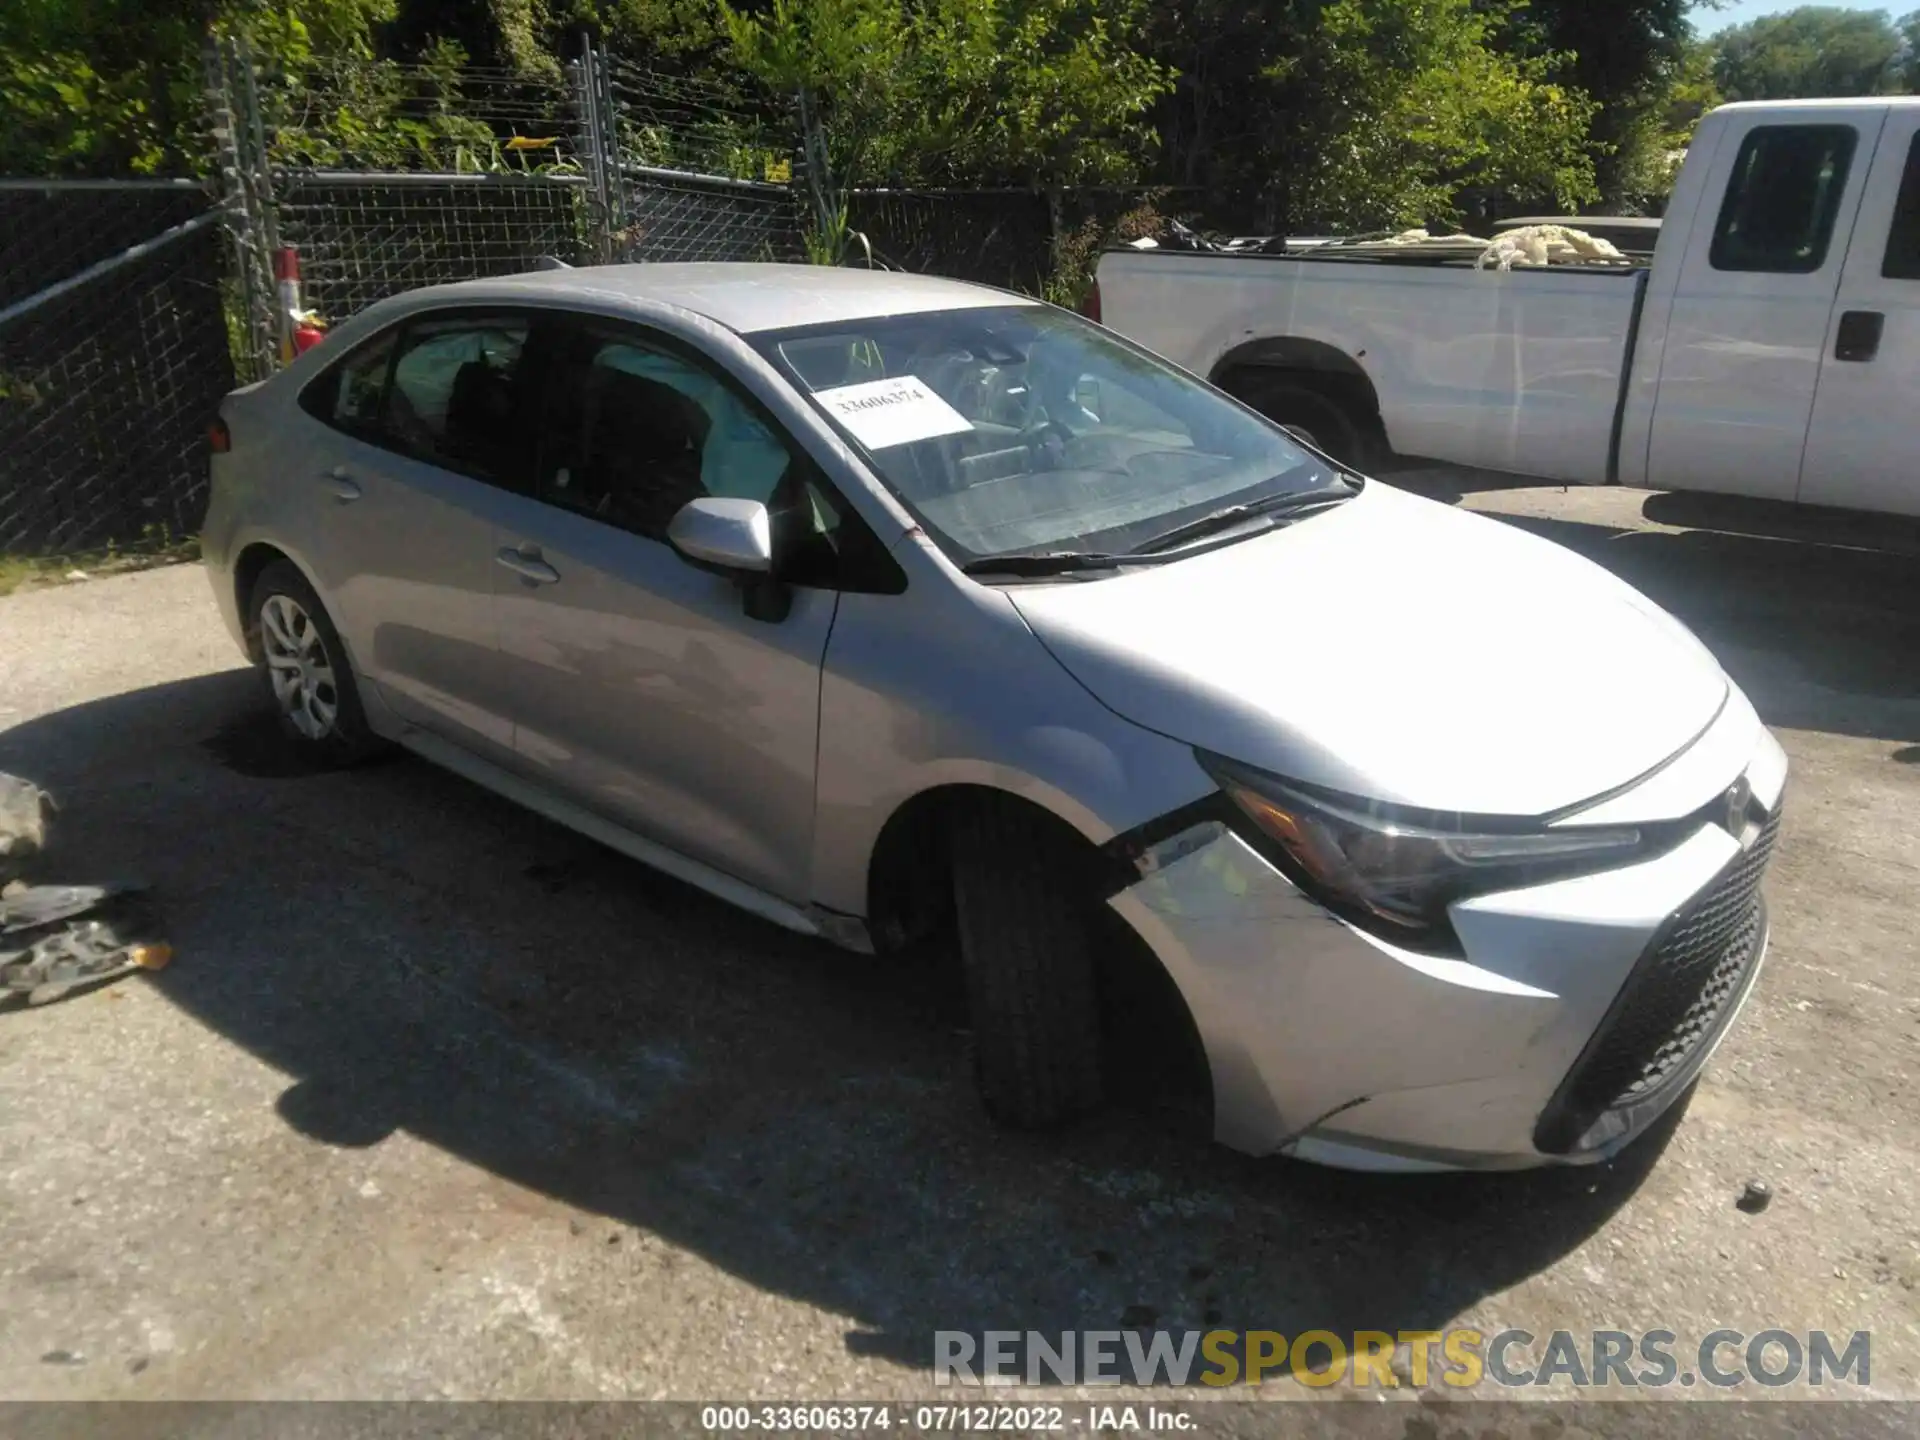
(1394, 873)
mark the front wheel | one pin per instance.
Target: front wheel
(1023, 898)
(308, 677)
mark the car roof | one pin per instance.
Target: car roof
(743, 297)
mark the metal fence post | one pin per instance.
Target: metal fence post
(586, 141)
(599, 148)
(233, 144)
(612, 161)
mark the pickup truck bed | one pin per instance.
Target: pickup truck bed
(1520, 369)
(1771, 349)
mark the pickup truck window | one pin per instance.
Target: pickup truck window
(1782, 198)
(1024, 429)
(1903, 240)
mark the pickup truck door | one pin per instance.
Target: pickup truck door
(1863, 450)
(1754, 293)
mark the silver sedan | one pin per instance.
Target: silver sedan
(884, 606)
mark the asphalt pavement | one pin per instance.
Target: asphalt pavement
(440, 1100)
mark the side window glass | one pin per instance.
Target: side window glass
(634, 432)
(454, 394)
(1782, 199)
(348, 396)
(1903, 241)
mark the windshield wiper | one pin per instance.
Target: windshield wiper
(1051, 562)
(1292, 506)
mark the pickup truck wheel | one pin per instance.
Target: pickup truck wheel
(1023, 898)
(1324, 421)
(306, 670)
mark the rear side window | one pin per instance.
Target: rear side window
(348, 396)
(445, 389)
(1903, 241)
(455, 393)
(1783, 198)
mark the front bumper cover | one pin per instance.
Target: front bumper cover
(1330, 1044)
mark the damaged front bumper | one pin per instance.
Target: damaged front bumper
(1576, 1012)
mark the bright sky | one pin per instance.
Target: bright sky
(1707, 21)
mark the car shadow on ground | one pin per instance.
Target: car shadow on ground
(415, 955)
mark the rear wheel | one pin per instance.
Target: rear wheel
(1023, 896)
(1324, 422)
(308, 677)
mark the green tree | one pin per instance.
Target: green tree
(1812, 52)
(1626, 56)
(1365, 114)
(1648, 155)
(1011, 92)
(114, 87)
(1417, 106)
(1909, 27)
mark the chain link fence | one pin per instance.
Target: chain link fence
(124, 316)
(993, 237)
(113, 355)
(699, 171)
(363, 237)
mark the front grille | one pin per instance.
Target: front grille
(1671, 1004)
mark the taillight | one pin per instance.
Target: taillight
(219, 438)
(1090, 307)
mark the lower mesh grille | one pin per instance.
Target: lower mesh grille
(1672, 1003)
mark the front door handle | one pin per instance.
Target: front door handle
(1858, 337)
(343, 485)
(530, 568)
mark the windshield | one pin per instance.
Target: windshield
(1025, 430)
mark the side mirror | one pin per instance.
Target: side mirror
(732, 537)
(1086, 394)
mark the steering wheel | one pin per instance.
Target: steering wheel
(1046, 440)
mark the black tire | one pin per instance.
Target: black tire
(1327, 424)
(348, 740)
(1023, 894)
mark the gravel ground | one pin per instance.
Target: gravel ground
(439, 1100)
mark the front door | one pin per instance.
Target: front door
(642, 688)
(1863, 450)
(1755, 288)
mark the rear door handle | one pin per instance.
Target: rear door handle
(530, 568)
(343, 485)
(1858, 337)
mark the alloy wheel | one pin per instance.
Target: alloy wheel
(299, 667)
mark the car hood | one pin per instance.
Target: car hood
(1398, 649)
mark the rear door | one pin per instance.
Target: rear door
(1755, 291)
(1863, 450)
(428, 446)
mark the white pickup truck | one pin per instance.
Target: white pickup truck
(1771, 348)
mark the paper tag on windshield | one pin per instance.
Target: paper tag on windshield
(892, 412)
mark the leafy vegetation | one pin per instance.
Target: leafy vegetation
(157, 545)
(1817, 51)
(1348, 114)
(934, 92)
